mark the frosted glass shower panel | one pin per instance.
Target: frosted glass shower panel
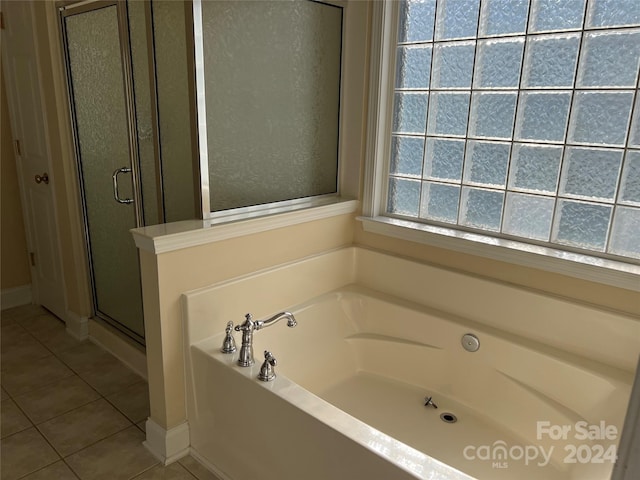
(272, 88)
(152, 207)
(176, 124)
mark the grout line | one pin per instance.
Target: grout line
(24, 429)
(139, 474)
(47, 466)
(189, 471)
(89, 445)
(73, 472)
(46, 384)
(66, 411)
(52, 447)
(157, 462)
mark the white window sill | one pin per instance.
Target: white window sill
(600, 270)
(168, 237)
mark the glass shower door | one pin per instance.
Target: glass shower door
(106, 151)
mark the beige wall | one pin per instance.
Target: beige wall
(14, 264)
(597, 294)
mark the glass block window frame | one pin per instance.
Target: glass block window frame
(520, 119)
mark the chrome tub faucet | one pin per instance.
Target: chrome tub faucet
(247, 328)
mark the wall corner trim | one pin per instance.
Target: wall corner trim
(167, 446)
(14, 297)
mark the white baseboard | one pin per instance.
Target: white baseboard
(77, 326)
(209, 466)
(132, 356)
(167, 445)
(14, 297)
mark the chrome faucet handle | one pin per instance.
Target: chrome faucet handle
(267, 372)
(229, 343)
(247, 325)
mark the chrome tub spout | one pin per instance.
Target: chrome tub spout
(291, 320)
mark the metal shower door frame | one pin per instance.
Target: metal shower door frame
(67, 9)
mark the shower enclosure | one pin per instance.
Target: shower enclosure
(119, 95)
(267, 126)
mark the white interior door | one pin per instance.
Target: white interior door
(22, 76)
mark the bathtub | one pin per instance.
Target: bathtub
(352, 380)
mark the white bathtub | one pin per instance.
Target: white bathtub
(348, 401)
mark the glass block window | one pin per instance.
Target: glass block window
(520, 118)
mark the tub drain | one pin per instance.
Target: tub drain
(470, 342)
(448, 417)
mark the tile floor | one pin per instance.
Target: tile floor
(70, 410)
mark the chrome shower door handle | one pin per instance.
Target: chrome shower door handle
(116, 195)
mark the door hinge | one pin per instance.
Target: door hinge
(18, 149)
(32, 256)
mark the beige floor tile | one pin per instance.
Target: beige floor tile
(17, 314)
(133, 401)
(51, 332)
(59, 341)
(6, 320)
(110, 377)
(118, 457)
(24, 453)
(55, 471)
(13, 420)
(42, 325)
(86, 357)
(56, 399)
(83, 426)
(25, 350)
(30, 376)
(196, 469)
(175, 471)
(13, 334)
